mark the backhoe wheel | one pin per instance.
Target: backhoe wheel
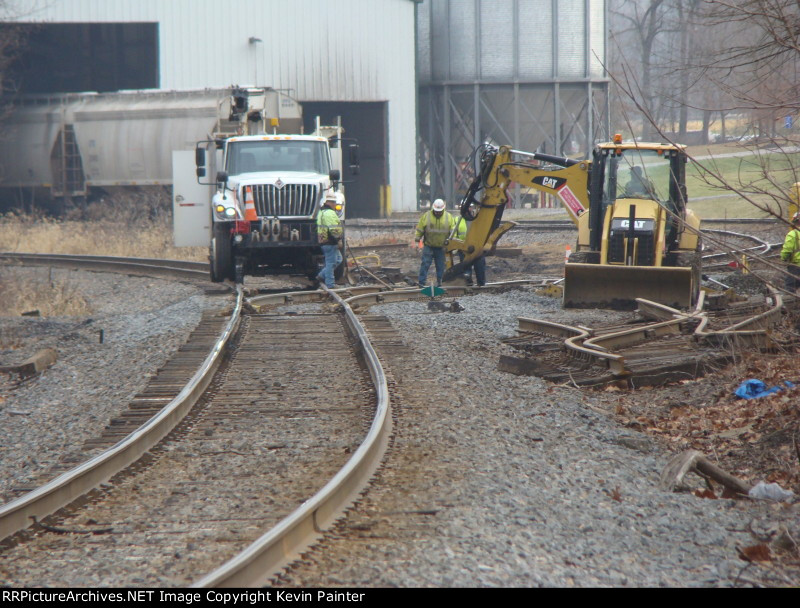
(221, 255)
(578, 257)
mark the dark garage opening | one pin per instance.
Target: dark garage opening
(76, 57)
(365, 122)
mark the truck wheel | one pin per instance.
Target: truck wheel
(238, 272)
(221, 256)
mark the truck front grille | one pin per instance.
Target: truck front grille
(291, 200)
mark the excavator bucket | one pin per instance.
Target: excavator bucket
(617, 286)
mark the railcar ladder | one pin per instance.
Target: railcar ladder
(68, 177)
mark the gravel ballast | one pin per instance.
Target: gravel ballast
(143, 322)
(517, 482)
(525, 483)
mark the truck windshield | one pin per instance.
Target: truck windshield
(638, 174)
(278, 155)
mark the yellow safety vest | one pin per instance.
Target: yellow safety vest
(435, 230)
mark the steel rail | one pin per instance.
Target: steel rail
(762, 248)
(575, 339)
(283, 543)
(633, 336)
(761, 243)
(586, 344)
(662, 312)
(753, 331)
(139, 266)
(614, 362)
(363, 296)
(558, 330)
(64, 489)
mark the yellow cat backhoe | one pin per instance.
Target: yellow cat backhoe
(636, 237)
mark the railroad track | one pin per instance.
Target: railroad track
(180, 269)
(217, 450)
(267, 554)
(229, 470)
(555, 225)
(91, 501)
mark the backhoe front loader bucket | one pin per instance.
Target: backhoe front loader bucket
(617, 286)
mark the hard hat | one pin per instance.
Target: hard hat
(796, 217)
(438, 205)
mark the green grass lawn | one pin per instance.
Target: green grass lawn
(716, 185)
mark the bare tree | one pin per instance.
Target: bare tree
(13, 36)
(740, 56)
(652, 41)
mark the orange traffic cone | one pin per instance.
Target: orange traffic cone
(567, 253)
(250, 214)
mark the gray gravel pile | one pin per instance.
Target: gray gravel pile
(143, 322)
(553, 492)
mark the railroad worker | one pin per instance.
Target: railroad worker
(329, 233)
(478, 265)
(433, 228)
(791, 254)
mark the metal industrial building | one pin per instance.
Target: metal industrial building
(348, 58)
(529, 73)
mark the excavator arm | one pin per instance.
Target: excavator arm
(499, 169)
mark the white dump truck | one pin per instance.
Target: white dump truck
(257, 186)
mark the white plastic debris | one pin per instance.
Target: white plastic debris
(770, 491)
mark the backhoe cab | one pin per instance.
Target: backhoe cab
(636, 237)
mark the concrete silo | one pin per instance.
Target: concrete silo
(529, 73)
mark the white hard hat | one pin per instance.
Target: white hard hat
(438, 205)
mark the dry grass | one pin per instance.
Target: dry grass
(43, 293)
(130, 226)
(125, 226)
(29, 235)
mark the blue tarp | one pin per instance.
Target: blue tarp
(752, 389)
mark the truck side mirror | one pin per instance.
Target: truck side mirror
(335, 175)
(222, 177)
(200, 157)
(201, 172)
(353, 159)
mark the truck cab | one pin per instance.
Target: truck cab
(259, 186)
(265, 210)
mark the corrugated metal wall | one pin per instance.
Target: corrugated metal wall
(528, 73)
(347, 50)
